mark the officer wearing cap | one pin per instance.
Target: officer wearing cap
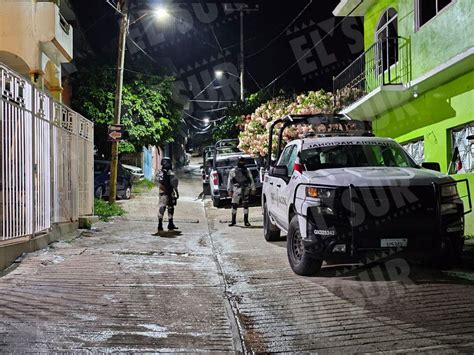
(239, 186)
(168, 184)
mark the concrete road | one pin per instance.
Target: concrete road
(217, 288)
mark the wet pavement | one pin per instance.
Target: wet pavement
(216, 288)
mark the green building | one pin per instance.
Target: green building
(415, 79)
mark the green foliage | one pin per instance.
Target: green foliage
(149, 114)
(142, 186)
(230, 127)
(106, 210)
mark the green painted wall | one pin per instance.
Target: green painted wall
(445, 36)
(432, 116)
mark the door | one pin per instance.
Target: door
(271, 189)
(284, 191)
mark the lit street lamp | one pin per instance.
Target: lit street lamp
(220, 73)
(206, 120)
(160, 14)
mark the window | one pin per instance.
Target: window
(386, 37)
(416, 149)
(356, 155)
(462, 160)
(292, 160)
(425, 10)
(286, 155)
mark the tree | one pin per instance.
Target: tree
(150, 116)
(236, 114)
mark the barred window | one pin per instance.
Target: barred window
(463, 150)
(416, 149)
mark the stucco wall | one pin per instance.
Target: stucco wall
(432, 116)
(445, 36)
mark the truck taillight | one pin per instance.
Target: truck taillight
(215, 178)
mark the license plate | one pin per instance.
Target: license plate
(393, 243)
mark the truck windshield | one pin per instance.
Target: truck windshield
(356, 155)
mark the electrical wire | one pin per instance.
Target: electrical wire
(309, 50)
(142, 50)
(203, 90)
(281, 33)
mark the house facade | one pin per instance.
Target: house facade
(415, 80)
(35, 39)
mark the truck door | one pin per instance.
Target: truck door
(271, 190)
(284, 191)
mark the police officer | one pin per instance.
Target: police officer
(239, 187)
(168, 185)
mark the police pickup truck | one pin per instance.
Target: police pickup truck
(226, 156)
(342, 192)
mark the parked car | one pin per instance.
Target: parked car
(137, 172)
(350, 194)
(102, 176)
(222, 164)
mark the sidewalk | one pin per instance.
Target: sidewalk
(120, 288)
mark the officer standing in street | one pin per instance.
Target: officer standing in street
(168, 184)
(239, 186)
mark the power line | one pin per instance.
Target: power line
(309, 50)
(203, 90)
(142, 50)
(281, 33)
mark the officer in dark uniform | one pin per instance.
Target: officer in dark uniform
(239, 186)
(168, 184)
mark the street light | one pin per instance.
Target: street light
(206, 120)
(161, 14)
(220, 73)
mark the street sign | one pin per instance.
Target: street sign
(116, 133)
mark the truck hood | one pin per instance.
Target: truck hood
(376, 176)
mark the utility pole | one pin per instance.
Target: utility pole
(243, 8)
(123, 8)
(242, 56)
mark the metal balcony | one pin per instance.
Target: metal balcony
(385, 63)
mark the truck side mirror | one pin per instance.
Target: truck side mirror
(280, 171)
(431, 166)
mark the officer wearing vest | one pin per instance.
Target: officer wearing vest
(239, 187)
(168, 184)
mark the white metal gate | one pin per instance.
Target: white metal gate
(46, 160)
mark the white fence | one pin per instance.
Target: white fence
(46, 166)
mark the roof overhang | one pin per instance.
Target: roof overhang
(353, 7)
(388, 97)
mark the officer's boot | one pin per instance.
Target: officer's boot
(246, 220)
(246, 215)
(234, 215)
(160, 225)
(171, 225)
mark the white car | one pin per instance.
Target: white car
(345, 193)
(135, 171)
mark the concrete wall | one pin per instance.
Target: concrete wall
(34, 42)
(442, 38)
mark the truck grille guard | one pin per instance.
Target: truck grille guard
(436, 190)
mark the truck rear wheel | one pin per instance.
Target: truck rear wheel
(270, 231)
(301, 262)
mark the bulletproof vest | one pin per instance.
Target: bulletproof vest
(165, 181)
(241, 177)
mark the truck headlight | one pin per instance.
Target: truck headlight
(317, 192)
(449, 191)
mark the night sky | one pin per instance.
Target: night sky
(203, 36)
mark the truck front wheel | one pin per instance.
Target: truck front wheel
(301, 262)
(270, 231)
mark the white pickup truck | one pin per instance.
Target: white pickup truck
(343, 192)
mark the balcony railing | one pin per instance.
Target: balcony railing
(386, 62)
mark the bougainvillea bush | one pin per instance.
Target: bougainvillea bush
(254, 135)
